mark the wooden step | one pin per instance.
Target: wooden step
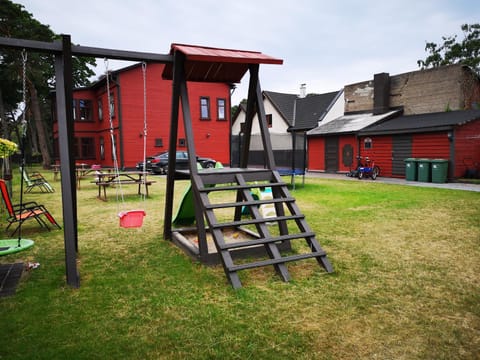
(281, 260)
(248, 203)
(257, 221)
(240, 187)
(254, 242)
(243, 182)
(228, 175)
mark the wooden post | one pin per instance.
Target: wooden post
(63, 74)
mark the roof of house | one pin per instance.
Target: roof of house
(311, 109)
(352, 123)
(284, 103)
(209, 64)
(438, 121)
(301, 113)
(240, 108)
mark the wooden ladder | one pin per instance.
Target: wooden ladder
(240, 181)
(243, 181)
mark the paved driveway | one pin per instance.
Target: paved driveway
(452, 185)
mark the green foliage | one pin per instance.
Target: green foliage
(16, 22)
(7, 148)
(466, 52)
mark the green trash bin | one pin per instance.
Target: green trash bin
(411, 169)
(439, 170)
(423, 169)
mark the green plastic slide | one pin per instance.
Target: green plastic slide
(185, 214)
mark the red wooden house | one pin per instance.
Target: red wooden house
(210, 104)
(421, 114)
(451, 135)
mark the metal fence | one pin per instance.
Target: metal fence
(288, 150)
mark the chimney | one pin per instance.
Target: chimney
(381, 93)
(303, 90)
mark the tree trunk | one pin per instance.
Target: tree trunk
(39, 126)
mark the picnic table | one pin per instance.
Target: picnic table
(81, 171)
(85, 172)
(112, 179)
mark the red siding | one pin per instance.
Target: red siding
(212, 137)
(380, 153)
(431, 145)
(434, 145)
(316, 153)
(158, 94)
(342, 141)
(467, 148)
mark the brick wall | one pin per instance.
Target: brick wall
(452, 87)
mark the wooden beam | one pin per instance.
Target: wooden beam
(172, 146)
(192, 159)
(78, 50)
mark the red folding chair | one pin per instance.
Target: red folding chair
(19, 213)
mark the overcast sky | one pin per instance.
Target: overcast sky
(325, 44)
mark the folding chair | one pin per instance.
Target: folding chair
(35, 180)
(19, 213)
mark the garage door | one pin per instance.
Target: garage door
(331, 154)
(402, 149)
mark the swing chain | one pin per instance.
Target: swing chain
(24, 91)
(109, 100)
(112, 135)
(144, 72)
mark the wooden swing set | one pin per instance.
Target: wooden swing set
(195, 63)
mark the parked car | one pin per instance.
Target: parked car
(158, 163)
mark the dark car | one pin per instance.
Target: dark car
(158, 163)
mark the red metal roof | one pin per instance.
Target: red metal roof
(215, 64)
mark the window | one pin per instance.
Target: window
(367, 143)
(85, 111)
(112, 105)
(101, 141)
(181, 142)
(269, 120)
(82, 110)
(84, 148)
(205, 108)
(242, 128)
(114, 148)
(221, 109)
(181, 155)
(100, 109)
(159, 142)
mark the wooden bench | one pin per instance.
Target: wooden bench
(105, 184)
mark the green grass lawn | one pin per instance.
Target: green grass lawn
(406, 283)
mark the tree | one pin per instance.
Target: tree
(466, 52)
(16, 22)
